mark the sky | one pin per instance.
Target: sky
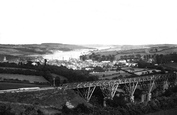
(117, 22)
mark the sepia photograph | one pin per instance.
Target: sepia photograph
(88, 57)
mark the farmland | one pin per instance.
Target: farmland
(46, 98)
(121, 73)
(142, 50)
(14, 52)
(110, 74)
(32, 49)
(171, 66)
(30, 78)
(7, 85)
(57, 99)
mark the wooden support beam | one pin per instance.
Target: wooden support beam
(165, 85)
(131, 90)
(109, 90)
(175, 79)
(90, 92)
(151, 85)
(113, 91)
(134, 87)
(86, 93)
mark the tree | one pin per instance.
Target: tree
(138, 56)
(45, 62)
(29, 63)
(83, 57)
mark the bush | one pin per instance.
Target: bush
(66, 111)
(5, 110)
(81, 108)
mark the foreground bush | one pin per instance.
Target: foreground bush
(164, 102)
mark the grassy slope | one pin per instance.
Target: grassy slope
(36, 49)
(30, 78)
(140, 49)
(6, 85)
(56, 98)
(110, 74)
(33, 79)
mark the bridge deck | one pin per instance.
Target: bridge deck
(118, 81)
(77, 85)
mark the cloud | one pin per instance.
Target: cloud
(88, 22)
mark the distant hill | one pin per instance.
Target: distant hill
(121, 50)
(128, 47)
(15, 50)
(97, 45)
(63, 47)
(12, 51)
(105, 48)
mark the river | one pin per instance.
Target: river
(66, 55)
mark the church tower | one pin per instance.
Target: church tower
(4, 60)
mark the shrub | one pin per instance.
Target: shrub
(81, 108)
(5, 110)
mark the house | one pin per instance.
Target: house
(5, 60)
(62, 78)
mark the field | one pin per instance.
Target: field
(6, 85)
(140, 71)
(110, 74)
(13, 52)
(113, 74)
(172, 66)
(30, 78)
(54, 98)
(142, 50)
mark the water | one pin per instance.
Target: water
(66, 55)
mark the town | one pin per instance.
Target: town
(112, 79)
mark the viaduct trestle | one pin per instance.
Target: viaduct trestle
(149, 84)
(109, 87)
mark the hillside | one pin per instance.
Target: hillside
(32, 49)
(30, 78)
(51, 99)
(139, 49)
(12, 51)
